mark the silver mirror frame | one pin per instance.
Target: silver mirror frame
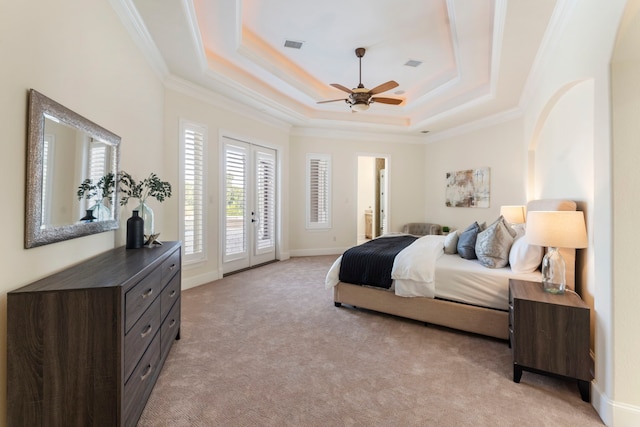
(35, 235)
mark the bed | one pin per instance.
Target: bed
(462, 294)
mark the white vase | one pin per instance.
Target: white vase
(101, 212)
(147, 216)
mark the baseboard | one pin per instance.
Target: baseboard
(201, 279)
(613, 413)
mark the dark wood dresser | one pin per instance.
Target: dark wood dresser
(85, 345)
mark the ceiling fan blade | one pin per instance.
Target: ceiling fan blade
(383, 87)
(337, 86)
(330, 100)
(392, 101)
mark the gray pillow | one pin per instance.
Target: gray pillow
(467, 241)
(494, 243)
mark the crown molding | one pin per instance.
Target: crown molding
(218, 100)
(133, 23)
(485, 122)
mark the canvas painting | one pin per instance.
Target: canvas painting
(468, 188)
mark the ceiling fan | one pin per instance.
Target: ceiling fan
(360, 98)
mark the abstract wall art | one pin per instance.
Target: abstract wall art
(468, 188)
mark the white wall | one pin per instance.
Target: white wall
(626, 205)
(405, 172)
(366, 191)
(79, 54)
(562, 166)
(499, 147)
(566, 121)
(583, 52)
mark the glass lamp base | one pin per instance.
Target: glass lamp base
(553, 272)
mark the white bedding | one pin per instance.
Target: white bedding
(446, 276)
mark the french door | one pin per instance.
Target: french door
(249, 212)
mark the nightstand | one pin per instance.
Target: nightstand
(549, 333)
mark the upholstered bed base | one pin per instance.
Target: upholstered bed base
(469, 318)
(465, 317)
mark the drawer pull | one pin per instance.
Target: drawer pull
(172, 294)
(146, 331)
(172, 323)
(172, 267)
(146, 373)
(148, 293)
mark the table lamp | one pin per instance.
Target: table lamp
(557, 229)
(513, 214)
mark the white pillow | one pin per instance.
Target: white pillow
(523, 257)
(451, 243)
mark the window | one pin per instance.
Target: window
(192, 185)
(318, 192)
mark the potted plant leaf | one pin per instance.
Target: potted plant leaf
(97, 192)
(152, 186)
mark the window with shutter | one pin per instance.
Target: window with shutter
(192, 202)
(318, 191)
(235, 167)
(266, 201)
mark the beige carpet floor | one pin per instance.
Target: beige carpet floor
(267, 347)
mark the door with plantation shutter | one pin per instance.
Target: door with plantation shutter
(249, 213)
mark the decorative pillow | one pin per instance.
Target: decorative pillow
(494, 243)
(451, 243)
(467, 241)
(525, 258)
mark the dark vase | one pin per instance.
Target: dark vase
(135, 231)
(88, 216)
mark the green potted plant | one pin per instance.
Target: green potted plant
(97, 192)
(152, 186)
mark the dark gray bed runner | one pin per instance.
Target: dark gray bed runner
(371, 263)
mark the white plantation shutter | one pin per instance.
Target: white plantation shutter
(266, 201)
(193, 191)
(97, 160)
(47, 161)
(235, 189)
(318, 192)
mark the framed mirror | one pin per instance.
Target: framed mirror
(72, 165)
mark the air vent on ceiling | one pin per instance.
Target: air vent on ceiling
(293, 44)
(413, 63)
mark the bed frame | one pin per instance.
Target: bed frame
(465, 317)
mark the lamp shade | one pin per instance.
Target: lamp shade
(513, 214)
(558, 229)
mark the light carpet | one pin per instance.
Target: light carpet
(267, 347)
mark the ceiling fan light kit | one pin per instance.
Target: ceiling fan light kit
(360, 97)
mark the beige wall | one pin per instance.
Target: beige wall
(626, 205)
(405, 173)
(499, 147)
(77, 53)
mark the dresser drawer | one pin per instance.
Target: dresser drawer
(170, 267)
(140, 384)
(138, 338)
(140, 297)
(170, 328)
(170, 294)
